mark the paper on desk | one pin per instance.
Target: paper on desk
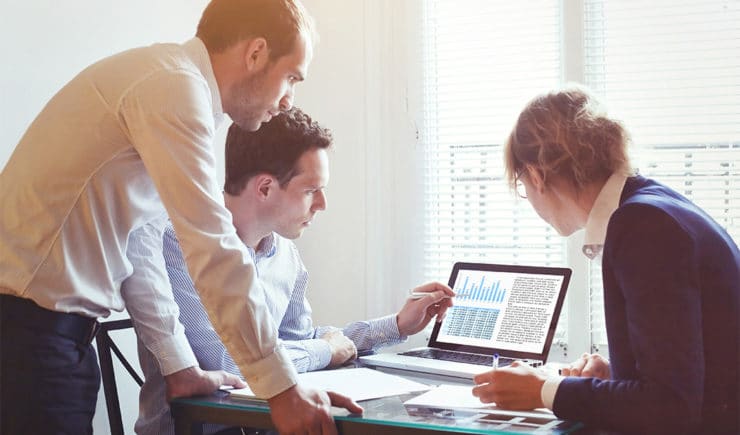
(460, 397)
(357, 383)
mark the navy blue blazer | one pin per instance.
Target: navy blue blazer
(671, 295)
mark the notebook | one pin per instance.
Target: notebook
(505, 310)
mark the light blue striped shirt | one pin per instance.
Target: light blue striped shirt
(285, 281)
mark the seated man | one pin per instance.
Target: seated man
(275, 179)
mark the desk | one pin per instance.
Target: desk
(382, 416)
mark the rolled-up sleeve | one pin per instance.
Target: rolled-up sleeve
(174, 137)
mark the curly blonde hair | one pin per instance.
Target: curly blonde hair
(566, 134)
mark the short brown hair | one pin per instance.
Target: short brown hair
(226, 22)
(273, 149)
(566, 134)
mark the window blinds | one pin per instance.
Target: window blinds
(482, 61)
(671, 71)
(481, 65)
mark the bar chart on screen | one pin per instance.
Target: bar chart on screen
(479, 300)
(472, 289)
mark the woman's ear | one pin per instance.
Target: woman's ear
(536, 177)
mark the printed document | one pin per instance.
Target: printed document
(356, 383)
(460, 397)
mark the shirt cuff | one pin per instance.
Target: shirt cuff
(319, 353)
(387, 328)
(549, 390)
(173, 354)
(271, 375)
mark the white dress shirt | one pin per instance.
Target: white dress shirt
(129, 135)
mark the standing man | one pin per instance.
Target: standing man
(127, 139)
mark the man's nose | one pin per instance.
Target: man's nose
(320, 202)
(287, 101)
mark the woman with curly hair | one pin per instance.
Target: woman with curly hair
(671, 280)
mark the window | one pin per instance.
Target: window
(671, 68)
(480, 66)
(671, 71)
(477, 74)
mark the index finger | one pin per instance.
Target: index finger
(233, 380)
(576, 367)
(446, 289)
(344, 402)
(593, 365)
(483, 378)
(437, 296)
(435, 287)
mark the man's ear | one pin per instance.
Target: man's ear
(264, 184)
(256, 54)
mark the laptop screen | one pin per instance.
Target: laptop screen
(510, 310)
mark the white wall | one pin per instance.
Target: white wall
(360, 264)
(356, 256)
(44, 43)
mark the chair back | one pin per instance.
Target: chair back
(106, 349)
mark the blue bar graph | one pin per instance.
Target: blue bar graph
(492, 293)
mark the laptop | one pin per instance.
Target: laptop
(505, 310)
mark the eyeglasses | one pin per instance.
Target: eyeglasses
(521, 190)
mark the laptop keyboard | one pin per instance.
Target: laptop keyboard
(461, 357)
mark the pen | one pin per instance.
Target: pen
(495, 361)
(419, 295)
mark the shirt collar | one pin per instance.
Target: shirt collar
(198, 53)
(606, 203)
(266, 247)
